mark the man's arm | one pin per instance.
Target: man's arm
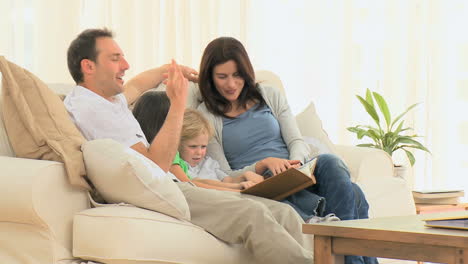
(152, 78)
(164, 146)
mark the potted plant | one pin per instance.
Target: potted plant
(389, 136)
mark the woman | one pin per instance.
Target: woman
(255, 130)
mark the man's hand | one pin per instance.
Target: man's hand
(176, 86)
(146, 80)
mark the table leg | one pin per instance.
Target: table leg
(323, 251)
(462, 256)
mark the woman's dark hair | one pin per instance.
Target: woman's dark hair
(219, 51)
(84, 47)
(150, 111)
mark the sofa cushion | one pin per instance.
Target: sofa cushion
(124, 234)
(5, 146)
(122, 175)
(37, 122)
(311, 129)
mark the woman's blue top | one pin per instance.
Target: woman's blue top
(252, 136)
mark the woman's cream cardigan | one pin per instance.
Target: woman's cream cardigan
(298, 149)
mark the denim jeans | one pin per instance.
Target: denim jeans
(307, 204)
(343, 198)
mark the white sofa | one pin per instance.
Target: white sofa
(44, 220)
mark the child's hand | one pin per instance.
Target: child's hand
(253, 177)
(247, 184)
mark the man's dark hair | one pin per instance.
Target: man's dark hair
(84, 47)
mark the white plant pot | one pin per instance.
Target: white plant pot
(400, 172)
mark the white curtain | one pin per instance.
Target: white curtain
(324, 51)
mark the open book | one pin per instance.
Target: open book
(286, 183)
(449, 222)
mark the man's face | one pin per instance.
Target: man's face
(110, 67)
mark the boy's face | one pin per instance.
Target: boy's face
(194, 150)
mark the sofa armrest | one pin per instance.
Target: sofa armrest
(366, 163)
(38, 200)
(30, 188)
(372, 170)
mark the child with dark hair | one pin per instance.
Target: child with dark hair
(191, 162)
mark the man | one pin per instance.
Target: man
(99, 107)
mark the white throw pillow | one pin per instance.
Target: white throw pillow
(311, 129)
(122, 175)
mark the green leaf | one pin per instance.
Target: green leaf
(398, 130)
(383, 108)
(367, 145)
(409, 140)
(377, 131)
(410, 157)
(354, 129)
(369, 98)
(361, 134)
(370, 110)
(417, 147)
(375, 136)
(402, 114)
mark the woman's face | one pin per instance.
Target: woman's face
(227, 80)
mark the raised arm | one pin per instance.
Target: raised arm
(152, 78)
(164, 146)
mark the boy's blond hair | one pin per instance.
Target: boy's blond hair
(195, 124)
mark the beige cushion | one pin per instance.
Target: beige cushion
(123, 234)
(37, 122)
(5, 147)
(311, 129)
(122, 175)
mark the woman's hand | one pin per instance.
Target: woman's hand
(275, 165)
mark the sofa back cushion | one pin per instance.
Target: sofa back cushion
(308, 121)
(313, 133)
(37, 122)
(122, 175)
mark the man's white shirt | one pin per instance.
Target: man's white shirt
(98, 118)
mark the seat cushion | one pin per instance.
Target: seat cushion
(122, 175)
(37, 122)
(123, 234)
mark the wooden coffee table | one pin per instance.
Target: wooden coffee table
(399, 237)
